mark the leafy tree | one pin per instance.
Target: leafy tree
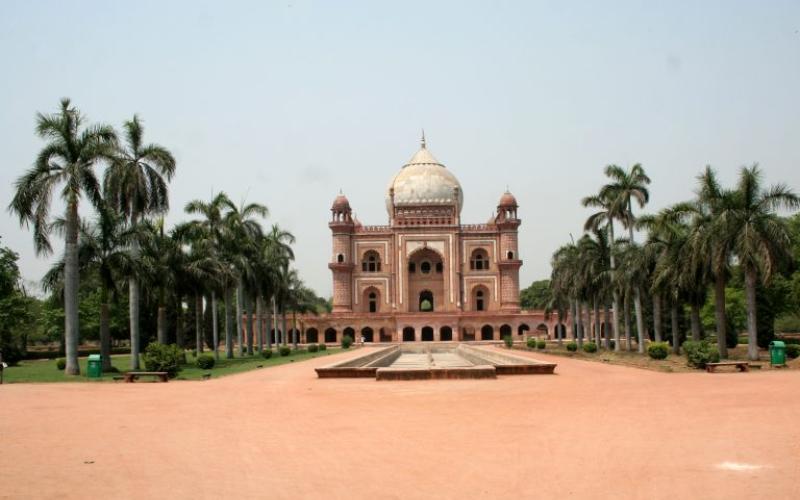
(537, 296)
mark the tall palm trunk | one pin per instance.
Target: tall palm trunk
(637, 294)
(750, 279)
(71, 327)
(268, 325)
(228, 323)
(260, 321)
(719, 314)
(198, 322)
(697, 325)
(573, 331)
(105, 335)
(179, 340)
(161, 318)
(283, 321)
(673, 313)
(133, 304)
(657, 316)
(627, 318)
(596, 321)
(239, 312)
(274, 324)
(214, 325)
(580, 323)
(606, 324)
(248, 317)
(615, 291)
(294, 329)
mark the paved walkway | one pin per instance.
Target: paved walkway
(591, 431)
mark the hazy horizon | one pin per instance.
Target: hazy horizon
(287, 103)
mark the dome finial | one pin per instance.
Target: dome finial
(423, 138)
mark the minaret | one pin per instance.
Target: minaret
(508, 260)
(341, 264)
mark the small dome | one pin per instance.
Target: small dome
(423, 181)
(341, 204)
(507, 201)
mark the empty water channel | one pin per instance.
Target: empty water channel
(419, 362)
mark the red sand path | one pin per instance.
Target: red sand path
(591, 431)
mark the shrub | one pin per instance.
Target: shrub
(572, 346)
(284, 350)
(698, 353)
(658, 350)
(612, 345)
(590, 347)
(347, 341)
(312, 348)
(508, 341)
(792, 351)
(266, 353)
(61, 363)
(194, 353)
(531, 343)
(163, 358)
(322, 347)
(206, 361)
(541, 344)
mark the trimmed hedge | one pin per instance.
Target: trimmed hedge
(266, 353)
(322, 347)
(205, 361)
(531, 343)
(284, 350)
(658, 350)
(61, 364)
(347, 341)
(792, 351)
(541, 344)
(164, 358)
(590, 347)
(572, 346)
(698, 353)
(508, 341)
(312, 348)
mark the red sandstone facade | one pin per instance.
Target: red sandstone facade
(425, 276)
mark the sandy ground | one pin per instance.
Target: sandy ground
(590, 431)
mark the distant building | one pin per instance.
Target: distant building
(425, 276)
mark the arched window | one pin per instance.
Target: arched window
(425, 267)
(371, 263)
(479, 261)
(510, 255)
(479, 300)
(426, 301)
(439, 268)
(340, 258)
(412, 267)
(373, 302)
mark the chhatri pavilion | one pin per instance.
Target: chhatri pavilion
(425, 276)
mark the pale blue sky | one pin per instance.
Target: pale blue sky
(286, 102)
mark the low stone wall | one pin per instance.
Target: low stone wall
(505, 363)
(361, 366)
(472, 372)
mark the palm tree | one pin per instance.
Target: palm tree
(68, 157)
(759, 238)
(210, 230)
(610, 208)
(624, 188)
(563, 280)
(135, 186)
(594, 253)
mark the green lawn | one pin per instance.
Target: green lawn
(45, 370)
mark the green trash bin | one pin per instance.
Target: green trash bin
(95, 369)
(777, 353)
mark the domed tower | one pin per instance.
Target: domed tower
(424, 193)
(342, 227)
(508, 260)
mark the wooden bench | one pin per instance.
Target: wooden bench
(742, 366)
(132, 376)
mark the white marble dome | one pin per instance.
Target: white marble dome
(423, 181)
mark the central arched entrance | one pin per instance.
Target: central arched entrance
(427, 334)
(408, 334)
(426, 283)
